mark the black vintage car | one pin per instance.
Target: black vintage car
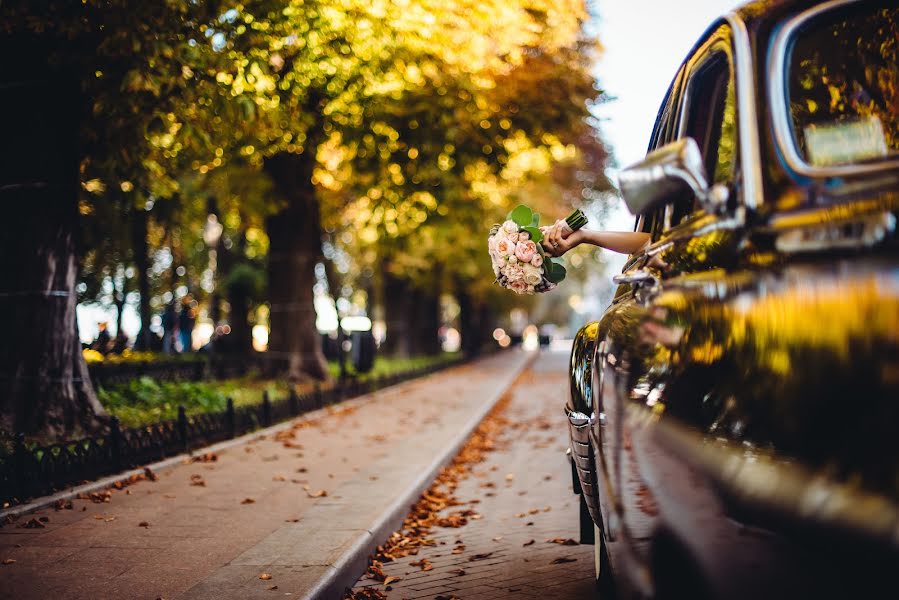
(734, 415)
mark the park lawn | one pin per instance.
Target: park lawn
(144, 400)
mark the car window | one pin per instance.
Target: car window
(710, 117)
(664, 131)
(844, 87)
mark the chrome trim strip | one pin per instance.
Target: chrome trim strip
(747, 115)
(776, 69)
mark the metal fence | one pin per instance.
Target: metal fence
(30, 471)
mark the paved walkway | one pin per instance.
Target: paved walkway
(179, 535)
(521, 495)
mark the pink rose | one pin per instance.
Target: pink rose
(513, 272)
(525, 251)
(491, 243)
(524, 236)
(537, 260)
(519, 287)
(505, 247)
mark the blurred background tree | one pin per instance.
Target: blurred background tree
(245, 154)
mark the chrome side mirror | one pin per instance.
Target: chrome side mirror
(673, 169)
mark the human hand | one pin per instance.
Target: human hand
(556, 245)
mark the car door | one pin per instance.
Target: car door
(640, 334)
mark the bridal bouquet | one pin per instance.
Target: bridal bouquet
(519, 262)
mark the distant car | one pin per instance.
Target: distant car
(734, 415)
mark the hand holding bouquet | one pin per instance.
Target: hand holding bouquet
(519, 261)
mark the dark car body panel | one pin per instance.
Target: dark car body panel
(742, 413)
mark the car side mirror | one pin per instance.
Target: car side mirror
(674, 169)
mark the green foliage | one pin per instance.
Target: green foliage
(146, 400)
(246, 280)
(522, 215)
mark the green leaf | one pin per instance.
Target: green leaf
(522, 215)
(535, 232)
(535, 220)
(555, 272)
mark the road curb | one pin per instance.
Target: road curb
(167, 463)
(347, 568)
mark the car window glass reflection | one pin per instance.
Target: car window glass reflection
(844, 87)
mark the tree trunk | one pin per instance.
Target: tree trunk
(141, 265)
(470, 327)
(397, 303)
(241, 337)
(294, 247)
(426, 322)
(44, 385)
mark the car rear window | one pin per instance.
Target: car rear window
(843, 92)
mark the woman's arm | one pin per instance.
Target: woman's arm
(558, 239)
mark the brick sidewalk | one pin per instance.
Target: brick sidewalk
(156, 539)
(522, 493)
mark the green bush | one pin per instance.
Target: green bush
(146, 400)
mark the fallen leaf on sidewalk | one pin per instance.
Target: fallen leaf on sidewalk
(510, 476)
(317, 493)
(302, 470)
(31, 524)
(247, 501)
(520, 515)
(442, 597)
(197, 480)
(497, 538)
(274, 587)
(459, 549)
(480, 556)
(563, 541)
(528, 543)
(9, 561)
(562, 559)
(279, 478)
(458, 572)
(63, 504)
(206, 457)
(143, 524)
(264, 576)
(424, 564)
(391, 579)
(149, 474)
(365, 594)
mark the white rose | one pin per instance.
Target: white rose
(513, 260)
(510, 227)
(491, 243)
(495, 269)
(530, 289)
(532, 275)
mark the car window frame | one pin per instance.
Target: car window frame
(720, 39)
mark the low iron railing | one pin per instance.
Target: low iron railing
(30, 471)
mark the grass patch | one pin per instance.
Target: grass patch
(146, 400)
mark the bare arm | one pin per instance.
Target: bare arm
(559, 239)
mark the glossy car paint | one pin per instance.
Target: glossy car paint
(740, 408)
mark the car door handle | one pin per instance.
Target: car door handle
(637, 276)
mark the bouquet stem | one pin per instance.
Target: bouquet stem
(576, 220)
